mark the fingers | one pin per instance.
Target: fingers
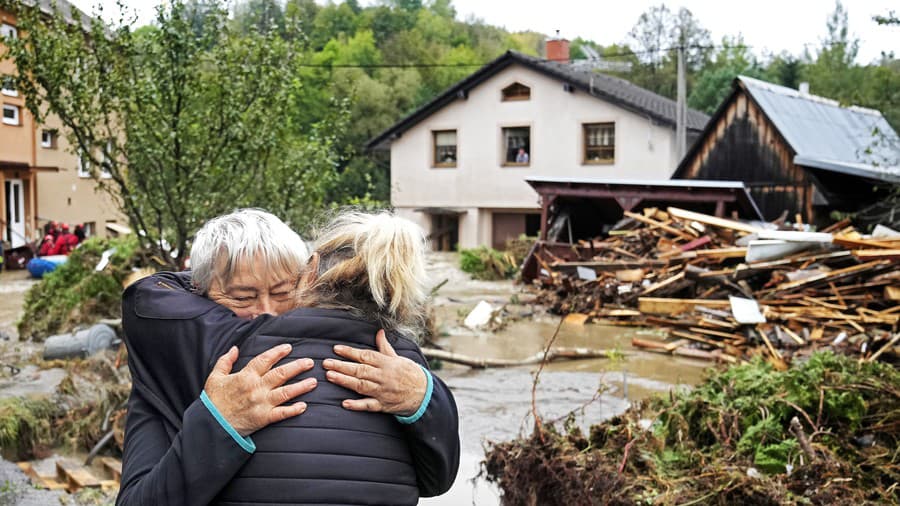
(282, 412)
(358, 385)
(384, 346)
(288, 392)
(226, 362)
(280, 375)
(362, 356)
(367, 404)
(265, 360)
(348, 368)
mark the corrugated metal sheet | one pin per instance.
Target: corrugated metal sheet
(828, 136)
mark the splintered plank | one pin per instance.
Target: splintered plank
(664, 306)
(712, 220)
(113, 467)
(656, 224)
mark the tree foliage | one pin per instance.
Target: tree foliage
(179, 121)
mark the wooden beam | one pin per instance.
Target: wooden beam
(712, 220)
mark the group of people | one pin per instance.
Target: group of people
(59, 240)
(269, 374)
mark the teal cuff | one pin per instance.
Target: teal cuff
(413, 418)
(245, 442)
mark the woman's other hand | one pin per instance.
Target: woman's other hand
(391, 383)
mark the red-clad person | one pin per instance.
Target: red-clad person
(65, 243)
(46, 246)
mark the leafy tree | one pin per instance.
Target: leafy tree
(177, 122)
(261, 15)
(713, 84)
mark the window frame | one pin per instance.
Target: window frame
(515, 98)
(435, 164)
(504, 148)
(9, 92)
(16, 120)
(84, 165)
(51, 144)
(105, 174)
(8, 30)
(585, 146)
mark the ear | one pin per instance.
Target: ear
(311, 272)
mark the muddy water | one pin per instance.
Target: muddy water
(495, 404)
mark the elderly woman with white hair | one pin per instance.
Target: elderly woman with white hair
(377, 429)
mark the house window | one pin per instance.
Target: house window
(10, 114)
(599, 143)
(516, 91)
(517, 146)
(90, 229)
(104, 167)
(9, 87)
(7, 30)
(48, 139)
(444, 148)
(84, 165)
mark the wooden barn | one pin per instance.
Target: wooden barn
(796, 152)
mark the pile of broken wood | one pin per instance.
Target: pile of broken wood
(727, 290)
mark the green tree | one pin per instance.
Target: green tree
(177, 122)
(713, 84)
(260, 15)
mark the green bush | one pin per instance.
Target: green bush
(75, 293)
(487, 263)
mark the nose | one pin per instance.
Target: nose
(266, 305)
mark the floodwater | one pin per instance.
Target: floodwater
(496, 404)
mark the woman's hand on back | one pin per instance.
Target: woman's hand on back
(391, 383)
(253, 397)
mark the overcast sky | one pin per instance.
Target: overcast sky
(767, 25)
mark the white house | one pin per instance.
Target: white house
(459, 163)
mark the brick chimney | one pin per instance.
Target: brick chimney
(558, 49)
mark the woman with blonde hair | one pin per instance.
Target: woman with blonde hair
(367, 273)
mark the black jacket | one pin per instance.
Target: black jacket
(177, 453)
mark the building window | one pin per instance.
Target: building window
(48, 139)
(84, 165)
(444, 148)
(10, 114)
(9, 31)
(104, 167)
(9, 87)
(600, 143)
(517, 146)
(90, 229)
(516, 91)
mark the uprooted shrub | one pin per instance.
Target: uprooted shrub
(725, 442)
(76, 293)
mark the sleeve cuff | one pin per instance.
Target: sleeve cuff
(245, 442)
(429, 389)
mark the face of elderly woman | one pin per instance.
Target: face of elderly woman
(254, 290)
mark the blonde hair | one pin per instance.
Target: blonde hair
(373, 265)
(226, 241)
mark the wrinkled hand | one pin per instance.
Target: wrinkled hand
(252, 398)
(392, 384)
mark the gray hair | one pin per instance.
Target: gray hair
(244, 235)
(373, 265)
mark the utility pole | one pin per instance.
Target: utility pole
(681, 109)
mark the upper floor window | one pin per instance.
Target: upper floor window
(444, 148)
(7, 30)
(516, 91)
(517, 146)
(599, 143)
(9, 87)
(107, 158)
(48, 139)
(84, 164)
(10, 114)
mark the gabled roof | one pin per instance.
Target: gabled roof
(822, 133)
(611, 89)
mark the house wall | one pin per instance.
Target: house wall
(59, 195)
(480, 183)
(743, 145)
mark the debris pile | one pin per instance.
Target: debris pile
(825, 432)
(727, 290)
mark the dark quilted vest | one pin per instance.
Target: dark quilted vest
(328, 455)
